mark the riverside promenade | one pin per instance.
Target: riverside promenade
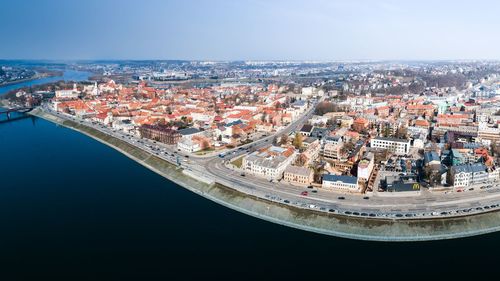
(309, 220)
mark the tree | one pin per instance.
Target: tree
(495, 149)
(297, 141)
(347, 147)
(402, 132)
(205, 144)
(301, 160)
(283, 139)
(433, 176)
(318, 172)
(263, 117)
(332, 121)
(386, 131)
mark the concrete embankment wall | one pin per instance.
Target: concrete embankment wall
(319, 222)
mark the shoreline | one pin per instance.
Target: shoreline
(36, 77)
(308, 220)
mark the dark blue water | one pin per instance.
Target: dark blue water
(72, 208)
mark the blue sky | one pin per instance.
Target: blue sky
(245, 29)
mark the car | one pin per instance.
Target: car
(310, 187)
(341, 197)
(314, 191)
(366, 197)
(242, 175)
(286, 201)
(331, 210)
(304, 193)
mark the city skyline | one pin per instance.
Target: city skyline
(249, 30)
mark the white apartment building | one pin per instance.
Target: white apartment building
(332, 151)
(398, 146)
(340, 183)
(468, 174)
(269, 163)
(188, 145)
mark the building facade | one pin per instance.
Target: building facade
(160, 133)
(269, 163)
(298, 175)
(398, 146)
(340, 183)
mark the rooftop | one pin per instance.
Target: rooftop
(342, 178)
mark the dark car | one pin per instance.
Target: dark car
(341, 197)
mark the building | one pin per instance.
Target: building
(298, 175)
(68, 94)
(360, 124)
(332, 151)
(398, 146)
(465, 175)
(406, 183)
(160, 133)
(269, 163)
(365, 166)
(431, 158)
(311, 152)
(306, 130)
(300, 105)
(190, 132)
(421, 109)
(491, 134)
(188, 145)
(340, 183)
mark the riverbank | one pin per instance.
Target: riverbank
(319, 222)
(35, 77)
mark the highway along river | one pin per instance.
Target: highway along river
(71, 206)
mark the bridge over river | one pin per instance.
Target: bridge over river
(9, 114)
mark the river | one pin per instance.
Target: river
(72, 207)
(68, 75)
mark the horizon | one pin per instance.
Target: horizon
(251, 60)
(250, 30)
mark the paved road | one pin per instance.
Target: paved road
(423, 205)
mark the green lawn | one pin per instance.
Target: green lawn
(203, 152)
(238, 162)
